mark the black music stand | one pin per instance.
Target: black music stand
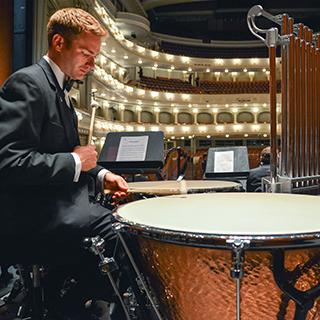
(230, 163)
(133, 152)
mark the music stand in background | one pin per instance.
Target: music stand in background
(229, 163)
(133, 153)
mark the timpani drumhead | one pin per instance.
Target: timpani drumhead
(171, 187)
(230, 214)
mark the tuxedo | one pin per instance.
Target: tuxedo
(254, 180)
(43, 211)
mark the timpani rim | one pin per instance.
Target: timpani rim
(204, 239)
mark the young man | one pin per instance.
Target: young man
(44, 172)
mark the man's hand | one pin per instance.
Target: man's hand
(116, 185)
(87, 155)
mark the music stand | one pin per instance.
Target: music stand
(229, 163)
(133, 152)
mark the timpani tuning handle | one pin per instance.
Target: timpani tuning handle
(95, 245)
(236, 270)
(87, 243)
(237, 246)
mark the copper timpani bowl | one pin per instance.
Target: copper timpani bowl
(182, 244)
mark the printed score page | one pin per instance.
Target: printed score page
(132, 148)
(224, 161)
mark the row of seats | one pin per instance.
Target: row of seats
(165, 84)
(225, 87)
(214, 52)
(205, 87)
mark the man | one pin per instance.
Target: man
(44, 172)
(254, 180)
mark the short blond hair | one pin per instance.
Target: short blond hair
(70, 22)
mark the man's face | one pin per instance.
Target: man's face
(78, 59)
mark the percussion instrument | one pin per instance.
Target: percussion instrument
(147, 189)
(222, 255)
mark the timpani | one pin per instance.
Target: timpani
(218, 255)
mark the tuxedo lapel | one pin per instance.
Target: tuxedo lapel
(67, 116)
(68, 121)
(74, 115)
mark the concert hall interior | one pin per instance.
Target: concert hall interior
(194, 134)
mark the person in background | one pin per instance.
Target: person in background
(140, 73)
(197, 81)
(254, 180)
(47, 202)
(204, 163)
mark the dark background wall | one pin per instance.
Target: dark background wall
(6, 50)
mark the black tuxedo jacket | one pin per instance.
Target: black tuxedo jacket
(254, 180)
(38, 197)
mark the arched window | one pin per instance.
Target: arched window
(184, 117)
(146, 117)
(264, 117)
(225, 117)
(245, 117)
(204, 118)
(165, 117)
(128, 116)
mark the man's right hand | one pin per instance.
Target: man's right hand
(87, 155)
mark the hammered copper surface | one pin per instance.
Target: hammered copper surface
(194, 283)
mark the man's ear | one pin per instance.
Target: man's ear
(57, 42)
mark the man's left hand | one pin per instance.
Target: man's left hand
(116, 185)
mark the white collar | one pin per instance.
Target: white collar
(56, 70)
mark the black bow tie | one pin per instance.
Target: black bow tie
(67, 85)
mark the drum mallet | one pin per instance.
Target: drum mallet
(94, 106)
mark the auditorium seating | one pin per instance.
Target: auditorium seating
(228, 87)
(206, 87)
(165, 84)
(214, 52)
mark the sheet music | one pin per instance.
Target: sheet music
(224, 161)
(132, 148)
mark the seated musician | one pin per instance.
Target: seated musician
(44, 172)
(254, 180)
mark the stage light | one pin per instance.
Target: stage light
(219, 61)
